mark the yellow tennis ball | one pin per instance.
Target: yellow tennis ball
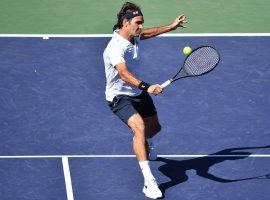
(187, 50)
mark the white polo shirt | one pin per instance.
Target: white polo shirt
(120, 50)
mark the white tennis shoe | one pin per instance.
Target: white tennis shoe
(151, 189)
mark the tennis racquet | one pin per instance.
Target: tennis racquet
(201, 61)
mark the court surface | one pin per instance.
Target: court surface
(59, 140)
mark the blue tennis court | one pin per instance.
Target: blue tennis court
(59, 139)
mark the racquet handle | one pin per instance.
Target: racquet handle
(165, 84)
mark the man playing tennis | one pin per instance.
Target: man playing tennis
(127, 95)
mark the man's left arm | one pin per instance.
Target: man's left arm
(154, 31)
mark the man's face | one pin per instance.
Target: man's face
(135, 26)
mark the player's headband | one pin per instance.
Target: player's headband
(131, 14)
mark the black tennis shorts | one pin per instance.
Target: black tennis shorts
(125, 106)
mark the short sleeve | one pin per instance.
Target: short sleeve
(116, 55)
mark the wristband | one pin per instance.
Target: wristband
(143, 86)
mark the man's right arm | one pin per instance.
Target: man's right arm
(130, 79)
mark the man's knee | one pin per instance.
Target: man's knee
(156, 127)
(153, 130)
(137, 125)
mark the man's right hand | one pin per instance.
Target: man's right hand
(155, 89)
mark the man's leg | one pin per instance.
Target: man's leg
(140, 146)
(143, 128)
(152, 127)
(136, 123)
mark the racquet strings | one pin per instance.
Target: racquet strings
(202, 60)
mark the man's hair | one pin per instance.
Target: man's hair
(127, 6)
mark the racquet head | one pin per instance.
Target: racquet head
(202, 60)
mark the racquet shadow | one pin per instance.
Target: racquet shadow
(176, 170)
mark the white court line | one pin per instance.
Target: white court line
(47, 36)
(67, 178)
(132, 156)
(68, 182)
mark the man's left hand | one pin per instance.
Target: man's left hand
(179, 22)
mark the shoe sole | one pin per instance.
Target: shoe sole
(150, 196)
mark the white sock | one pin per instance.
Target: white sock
(146, 171)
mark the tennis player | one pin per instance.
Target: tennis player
(128, 95)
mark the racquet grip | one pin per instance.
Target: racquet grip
(165, 84)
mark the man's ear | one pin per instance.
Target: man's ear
(125, 22)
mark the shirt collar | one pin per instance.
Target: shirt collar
(123, 41)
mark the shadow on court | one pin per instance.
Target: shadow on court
(176, 170)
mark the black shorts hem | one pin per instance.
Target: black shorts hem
(125, 106)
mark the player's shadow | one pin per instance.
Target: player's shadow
(176, 170)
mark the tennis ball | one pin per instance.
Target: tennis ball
(187, 50)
